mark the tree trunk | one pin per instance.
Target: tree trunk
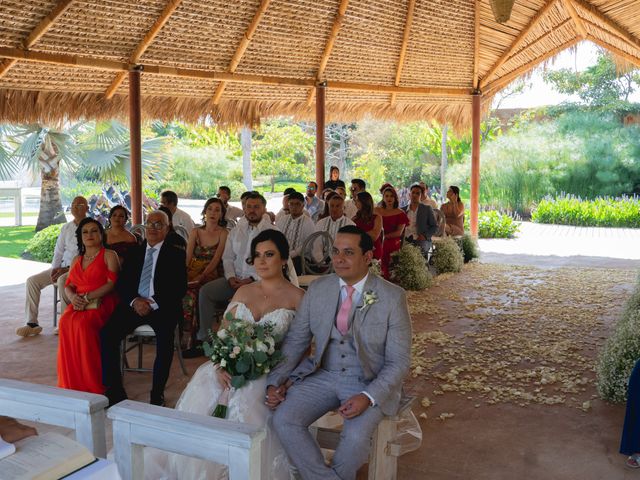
(50, 205)
(245, 141)
(273, 183)
(443, 165)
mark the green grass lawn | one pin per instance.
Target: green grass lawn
(282, 186)
(13, 240)
(24, 214)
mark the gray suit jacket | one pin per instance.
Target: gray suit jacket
(426, 223)
(381, 331)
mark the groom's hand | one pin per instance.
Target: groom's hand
(354, 406)
(275, 395)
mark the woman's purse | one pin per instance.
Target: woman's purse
(93, 304)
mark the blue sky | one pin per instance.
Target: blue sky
(542, 94)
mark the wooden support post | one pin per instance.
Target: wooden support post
(320, 99)
(135, 119)
(475, 162)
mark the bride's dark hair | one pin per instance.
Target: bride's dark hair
(276, 237)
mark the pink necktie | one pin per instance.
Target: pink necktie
(342, 320)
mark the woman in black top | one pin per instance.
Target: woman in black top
(334, 179)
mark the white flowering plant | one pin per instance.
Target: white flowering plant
(246, 350)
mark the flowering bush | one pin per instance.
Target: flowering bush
(245, 350)
(447, 256)
(409, 269)
(620, 352)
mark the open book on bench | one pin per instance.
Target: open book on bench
(49, 456)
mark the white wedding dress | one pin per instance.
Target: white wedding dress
(246, 405)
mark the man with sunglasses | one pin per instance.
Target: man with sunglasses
(313, 205)
(151, 286)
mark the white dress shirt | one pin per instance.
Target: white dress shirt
(411, 230)
(296, 230)
(327, 224)
(233, 213)
(66, 246)
(238, 248)
(350, 208)
(182, 219)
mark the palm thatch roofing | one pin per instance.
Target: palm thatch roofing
(242, 60)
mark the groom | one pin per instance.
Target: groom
(362, 333)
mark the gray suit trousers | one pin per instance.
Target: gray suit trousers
(306, 401)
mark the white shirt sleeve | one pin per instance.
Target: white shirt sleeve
(228, 256)
(58, 251)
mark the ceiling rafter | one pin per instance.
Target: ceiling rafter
(612, 24)
(616, 51)
(36, 34)
(540, 39)
(335, 30)
(577, 20)
(116, 66)
(146, 42)
(411, 5)
(509, 77)
(242, 47)
(517, 42)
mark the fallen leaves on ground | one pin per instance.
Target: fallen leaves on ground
(511, 334)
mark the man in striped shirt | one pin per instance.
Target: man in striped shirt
(296, 226)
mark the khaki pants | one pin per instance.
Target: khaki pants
(35, 284)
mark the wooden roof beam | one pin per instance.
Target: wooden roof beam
(509, 77)
(36, 34)
(171, 7)
(616, 51)
(335, 30)
(116, 66)
(517, 42)
(405, 41)
(582, 30)
(242, 47)
(613, 25)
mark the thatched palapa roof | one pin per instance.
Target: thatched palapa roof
(242, 60)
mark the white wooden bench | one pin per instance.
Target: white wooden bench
(383, 459)
(136, 425)
(83, 412)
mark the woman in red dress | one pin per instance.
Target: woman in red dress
(369, 222)
(394, 221)
(92, 277)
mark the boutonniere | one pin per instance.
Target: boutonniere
(368, 298)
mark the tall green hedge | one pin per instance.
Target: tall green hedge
(601, 212)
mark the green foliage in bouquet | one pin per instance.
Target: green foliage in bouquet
(43, 243)
(469, 247)
(447, 256)
(409, 269)
(620, 352)
(245, 350)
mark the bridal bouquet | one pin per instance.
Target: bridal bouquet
(246, 350)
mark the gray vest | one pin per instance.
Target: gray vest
(340, 355)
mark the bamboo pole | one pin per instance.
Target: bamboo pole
(619, 29)
(47, 23)
(598, 28)
(335, 30)
(111, 65)
(403, 49)
(503, 81)
(242, 47)
(540, 39)
(517, 42)
(476, 46)
(171, 7)
(6, 66)
(475, 162)
(576, 18)
(135, 121)
(320, 120)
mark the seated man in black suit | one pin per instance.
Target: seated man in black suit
(151, 287)
(422, 224)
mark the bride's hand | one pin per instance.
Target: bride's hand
(224, 379)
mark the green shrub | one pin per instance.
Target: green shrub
(41, 246)
(600, 212)
(447, 256)
(620, 352)
(375, 267)
(409, 269)
(494, 224)
(469, 247)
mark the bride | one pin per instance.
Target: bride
(272, 299)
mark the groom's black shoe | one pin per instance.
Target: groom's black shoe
(157, 399)
(115, 397)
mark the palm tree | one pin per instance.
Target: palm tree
(102, 147)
